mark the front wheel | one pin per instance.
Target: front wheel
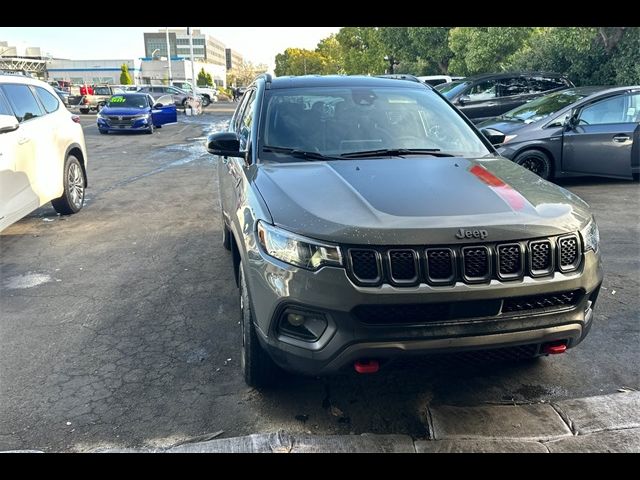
(258, 368)
(205, 101)
(150, 130)
(102, 131)
(84, 110)
(536, 161)
(72, 198)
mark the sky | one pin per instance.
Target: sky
(256, 44)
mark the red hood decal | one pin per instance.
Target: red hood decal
(514, 198)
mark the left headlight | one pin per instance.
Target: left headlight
(591, 236)
(297, 250)
(142, 117)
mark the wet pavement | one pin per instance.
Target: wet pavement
(119, 325)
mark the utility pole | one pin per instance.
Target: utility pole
(166, 31)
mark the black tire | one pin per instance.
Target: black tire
(258, 368)
(72, 198)
(205, 101)
(150, 130)
(103, 132)
(226, 236)
(99, 107)
(636, 177)
(537, 161)
(84, 110)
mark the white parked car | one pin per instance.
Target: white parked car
(208, 94)
(42, 151)
(434, 80)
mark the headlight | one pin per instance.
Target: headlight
(591, 236)
(297, 250)
(508, 138)
(142, 117)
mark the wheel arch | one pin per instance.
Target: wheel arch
(543, 149)
(75, 150)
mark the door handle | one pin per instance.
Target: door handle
(23, 140)
(621, 138)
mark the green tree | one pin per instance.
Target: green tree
(204, 78)
(125, 77)
(362, 50)
(431, 44)
(300, 61)
(485, 49)
(331, 51)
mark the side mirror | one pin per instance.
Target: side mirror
(158, 105)
(571, 121)
(8, 123)
(494, 136)
(225, 144)
(464, 99)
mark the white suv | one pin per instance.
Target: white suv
(42, 151)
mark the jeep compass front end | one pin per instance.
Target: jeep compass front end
(368, 219)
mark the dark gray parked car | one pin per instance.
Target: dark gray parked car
(368, 219)
(580, 131)
(488, 95)
(180, 97)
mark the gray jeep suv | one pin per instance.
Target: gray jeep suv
(369, 219)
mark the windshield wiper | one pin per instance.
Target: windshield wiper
(396, 152)
(298, 153)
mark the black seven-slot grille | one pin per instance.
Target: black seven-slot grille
(408, 266)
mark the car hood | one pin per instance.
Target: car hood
(415, 200)
(502, 125)
(123, 111)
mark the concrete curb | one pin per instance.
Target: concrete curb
(607, 423)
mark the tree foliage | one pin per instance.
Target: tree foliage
(125, 77)
(204, 79)
(587, 55)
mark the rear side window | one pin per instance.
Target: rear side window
(483, 91)
(508, 87)
(24, 104)
(50, 102)
(543, 84)
(4, 107)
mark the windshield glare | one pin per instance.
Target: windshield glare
(338, 120)
(544, 106)
(451, 89)
(128, 101)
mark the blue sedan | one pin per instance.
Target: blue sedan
(136, 112)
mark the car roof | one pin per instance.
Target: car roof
(486, 76)
(19, 78)
(340, 81)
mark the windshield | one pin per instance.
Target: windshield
(451, 89)
(336, 121)
(128, 101)
(543, 107)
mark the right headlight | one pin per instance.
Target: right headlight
(591, 236)
(297, 250)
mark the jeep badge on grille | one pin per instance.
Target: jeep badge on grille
(463, 233)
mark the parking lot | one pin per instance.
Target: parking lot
(119, 325)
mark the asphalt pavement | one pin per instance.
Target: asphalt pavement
(119, 325)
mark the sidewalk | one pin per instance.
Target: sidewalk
(608, 423)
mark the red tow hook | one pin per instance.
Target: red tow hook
(554, 348)
(366, 366)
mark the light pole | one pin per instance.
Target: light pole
(166, 31)
(392, 63)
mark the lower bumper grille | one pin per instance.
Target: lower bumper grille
(422, 313)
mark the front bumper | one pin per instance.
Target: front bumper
(136, 125)
(275, 286)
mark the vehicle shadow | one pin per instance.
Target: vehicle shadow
(589, 181)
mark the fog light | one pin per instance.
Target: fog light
(295, 319)
(301, 324)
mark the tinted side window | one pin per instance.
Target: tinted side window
(633, 111)
(610, 110)
(238, 114)
(24, 104)
(508, 87)
(4, 107)
(542, 84)
(483, 91)
(247, 120)
(51, 103)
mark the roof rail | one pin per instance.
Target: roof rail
(402, 76)
(267, 79)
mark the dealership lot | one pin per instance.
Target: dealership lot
(120, 324)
